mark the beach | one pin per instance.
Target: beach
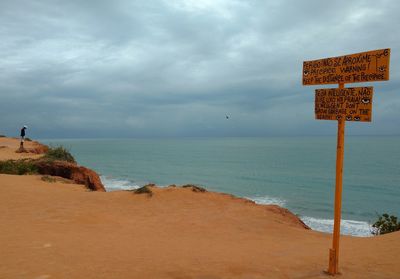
(63, 230)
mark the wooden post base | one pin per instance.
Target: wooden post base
(332, 269)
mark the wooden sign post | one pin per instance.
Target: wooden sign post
(344, 104)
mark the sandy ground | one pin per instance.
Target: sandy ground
(57, 230)
(8, 146)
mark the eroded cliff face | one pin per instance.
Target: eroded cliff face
(78, 174)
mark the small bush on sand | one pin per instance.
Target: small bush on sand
(2, 136)
(59, 153)
(144, 190)
(49, 179)
(195, 188)
(28, 139)
(18, 167)
(385, 224)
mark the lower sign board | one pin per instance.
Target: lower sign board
(352, 104)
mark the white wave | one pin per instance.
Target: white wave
(347, 227)
(114, 184)
(267, 200)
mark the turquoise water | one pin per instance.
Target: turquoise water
(297, 172)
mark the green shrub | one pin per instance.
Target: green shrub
(144, 190)
(49, 179)
(195, 188)
(18, 167)
(2, 136)
(385, 224)
(59, 153)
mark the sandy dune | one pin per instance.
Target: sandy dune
(57, 230)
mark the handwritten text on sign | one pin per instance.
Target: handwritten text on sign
(359, 67)
(352, 104)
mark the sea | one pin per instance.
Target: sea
(297, 173)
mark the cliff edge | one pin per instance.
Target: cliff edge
(34, 152)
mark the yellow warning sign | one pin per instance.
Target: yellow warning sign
(351, 104)
(359, 67)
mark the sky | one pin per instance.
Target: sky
(176, 68)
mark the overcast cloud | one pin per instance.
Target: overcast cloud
(177, 67)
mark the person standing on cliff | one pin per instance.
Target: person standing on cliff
(23, 136)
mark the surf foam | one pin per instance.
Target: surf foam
(347, 227)
(267, 200)
(114, 184)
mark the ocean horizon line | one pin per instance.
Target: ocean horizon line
(211, 137)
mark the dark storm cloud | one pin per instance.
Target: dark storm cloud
(175, 68)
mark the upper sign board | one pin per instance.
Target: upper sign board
(360, 67)
(351, 104)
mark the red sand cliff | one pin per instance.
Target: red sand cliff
(34, 150)
(78, 174)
